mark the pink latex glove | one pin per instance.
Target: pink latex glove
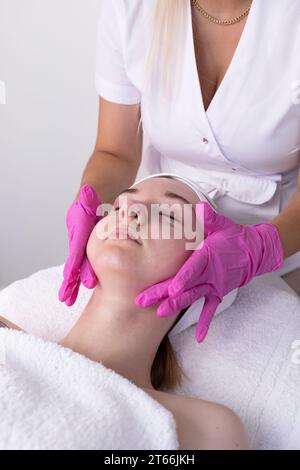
(229, 257)
(81, 219)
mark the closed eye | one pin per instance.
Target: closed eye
(168, 215)
(162, 213)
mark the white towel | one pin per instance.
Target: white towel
(53, 398)
(250, 362)
(245, 362)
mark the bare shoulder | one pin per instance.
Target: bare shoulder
(6, 323)
(219, 426)
(204, 425)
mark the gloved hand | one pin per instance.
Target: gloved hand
(229, 257)
(81, 219)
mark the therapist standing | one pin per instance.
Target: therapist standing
(216, 86)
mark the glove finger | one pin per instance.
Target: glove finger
(79, 233)
(66, 289)
(189, 275)
(87, 275)
(153, 294)
(74, 260)
(208, 311)
(175, 305)
(71, 300)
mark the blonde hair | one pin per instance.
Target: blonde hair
(165, 49)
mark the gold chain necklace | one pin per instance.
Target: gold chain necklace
(217, 20)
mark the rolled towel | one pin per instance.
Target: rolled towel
(53, 398)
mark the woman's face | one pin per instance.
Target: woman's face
(160, 233)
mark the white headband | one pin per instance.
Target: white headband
(203, 196)
(191, 316)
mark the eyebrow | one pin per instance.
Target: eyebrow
(167, 194)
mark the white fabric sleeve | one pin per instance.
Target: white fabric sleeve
(111, 80)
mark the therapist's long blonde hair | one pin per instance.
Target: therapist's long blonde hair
(165, 48)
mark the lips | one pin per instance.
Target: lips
(123, 234)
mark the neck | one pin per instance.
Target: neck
(225, 8)
(123, 337)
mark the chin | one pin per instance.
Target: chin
(117, 256)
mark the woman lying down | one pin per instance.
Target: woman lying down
(103, 385)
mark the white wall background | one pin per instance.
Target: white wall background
(47, 126)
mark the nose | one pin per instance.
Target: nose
(131, 210)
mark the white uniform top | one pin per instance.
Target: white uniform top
(245, 148)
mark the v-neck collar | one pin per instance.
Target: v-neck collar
(233, 63)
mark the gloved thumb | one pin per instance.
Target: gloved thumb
(211, 219)
(89, 199)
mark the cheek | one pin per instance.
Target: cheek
(105, 226)
(93, 248)
(109, 256)
(164, 258)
